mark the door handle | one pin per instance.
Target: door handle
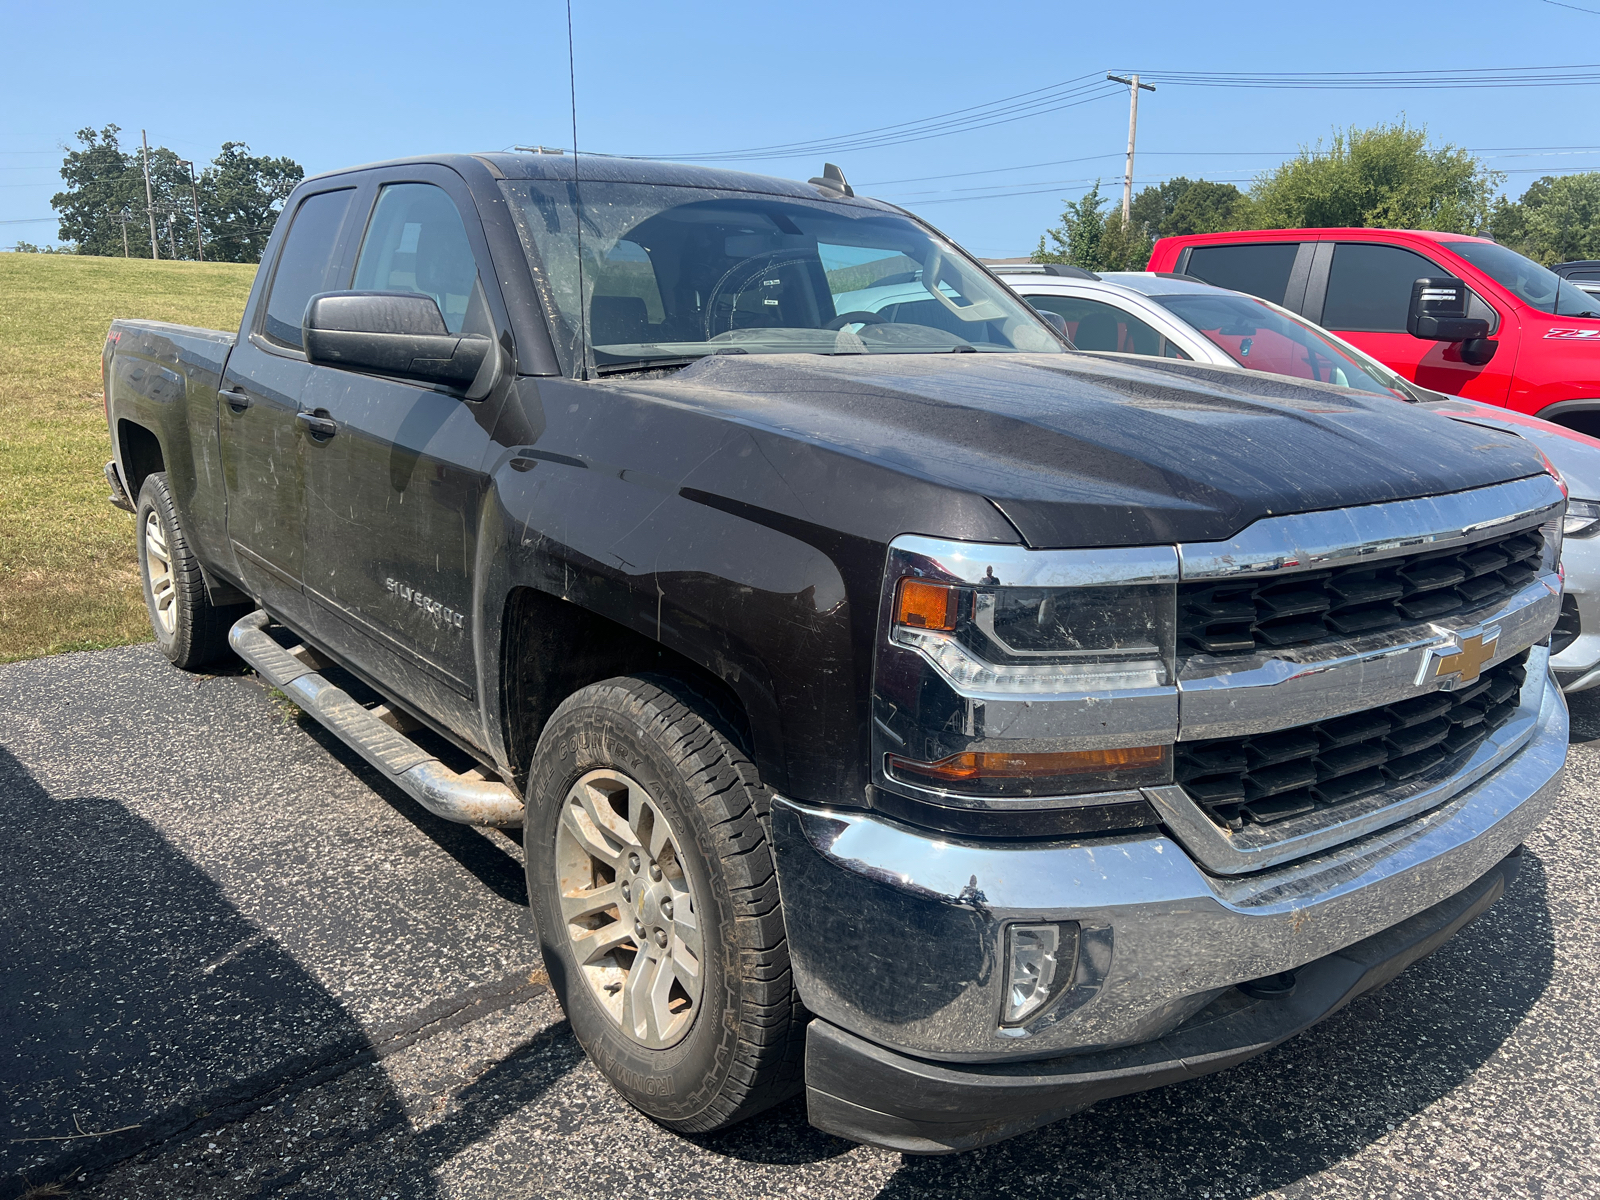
(237, 400)
(317, 427)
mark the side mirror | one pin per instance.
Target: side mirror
(393, 333)
(1438, 312)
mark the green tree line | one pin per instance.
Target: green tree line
(1388, 176)
(103, 211)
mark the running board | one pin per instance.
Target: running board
(465, 798)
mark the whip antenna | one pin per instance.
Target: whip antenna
(577, 192)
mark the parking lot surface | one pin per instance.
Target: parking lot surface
(235, 963)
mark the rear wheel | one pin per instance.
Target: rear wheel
(188, 628)
(653, 885)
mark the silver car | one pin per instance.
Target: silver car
(1173, 316)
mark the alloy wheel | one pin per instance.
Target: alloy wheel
(628, 908)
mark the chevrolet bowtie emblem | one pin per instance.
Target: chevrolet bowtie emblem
(1462, 663)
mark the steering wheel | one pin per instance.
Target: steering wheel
(859, 317)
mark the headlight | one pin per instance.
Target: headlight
(1019, 641)
(1582, 520)
(1015, 679)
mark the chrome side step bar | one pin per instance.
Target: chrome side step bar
(466, 798)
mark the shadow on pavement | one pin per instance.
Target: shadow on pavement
(133, 996)
(1313, 1102)
(139, 1008)
(486, 856)
(1584, 708)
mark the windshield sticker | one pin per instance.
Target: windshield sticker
(1574, 335)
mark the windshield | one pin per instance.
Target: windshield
(1525, 279)
(1256, 335)
(671, 274)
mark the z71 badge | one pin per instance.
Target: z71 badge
(441, 615)
(1573, 335)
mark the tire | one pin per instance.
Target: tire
(189, 629)
(649, 759)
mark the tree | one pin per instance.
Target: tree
(1387, 176)
(1183, 205)
(1095, 240)
(103, 186)
(1556, 220)
(240, 196)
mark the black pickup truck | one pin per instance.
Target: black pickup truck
(895, 703)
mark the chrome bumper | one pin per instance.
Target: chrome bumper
(896, 934)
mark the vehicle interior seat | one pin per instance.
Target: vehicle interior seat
(446, 268)
(1096, 331)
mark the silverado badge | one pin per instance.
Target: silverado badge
(1459, 664)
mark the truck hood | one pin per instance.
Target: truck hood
(1083, 451)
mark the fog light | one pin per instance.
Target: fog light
(1038, 957)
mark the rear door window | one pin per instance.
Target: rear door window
(1094, 325)
(1369, 287)
(304, 264)
(1259, 268)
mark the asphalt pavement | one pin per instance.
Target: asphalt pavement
(234, 963)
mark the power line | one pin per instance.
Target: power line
(1573, 7)
(1471, 77)
(1038, 102)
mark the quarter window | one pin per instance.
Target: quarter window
(417, 242)
(304, 264)
(1259, 268)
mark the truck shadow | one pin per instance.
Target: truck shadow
(1311, 1103)
(492, 857)
(139, 1009)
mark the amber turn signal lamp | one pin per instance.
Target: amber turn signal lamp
(972, 765)
(925, 605)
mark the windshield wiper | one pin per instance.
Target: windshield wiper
(643, 364)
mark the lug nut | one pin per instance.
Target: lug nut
(638, 930)
(633, 863)
(661, 937)
(655, 870)
(626, 891)
(666, 909)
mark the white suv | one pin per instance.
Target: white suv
(1178, 317)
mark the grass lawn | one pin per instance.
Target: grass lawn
(68, 576)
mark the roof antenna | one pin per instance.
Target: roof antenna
(833, 180)
(577, 192)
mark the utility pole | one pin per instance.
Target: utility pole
(194, 194)
(1134, 87)
(149, 200)
(124, 215)
(172, 241)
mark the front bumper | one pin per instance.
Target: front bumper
(863, 1092)
(897, 935)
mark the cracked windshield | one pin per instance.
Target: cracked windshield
(673, 274)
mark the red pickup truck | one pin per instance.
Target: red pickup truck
(1528, 339)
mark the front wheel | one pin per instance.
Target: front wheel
(653, 886)
(189, 629)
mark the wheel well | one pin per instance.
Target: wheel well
(551, 648)
(141, 456)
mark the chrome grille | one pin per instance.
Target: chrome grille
(1271, 777)
(1298, 609)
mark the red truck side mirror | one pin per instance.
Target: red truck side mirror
(1438, 313)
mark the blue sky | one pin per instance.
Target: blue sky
(337, 84)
